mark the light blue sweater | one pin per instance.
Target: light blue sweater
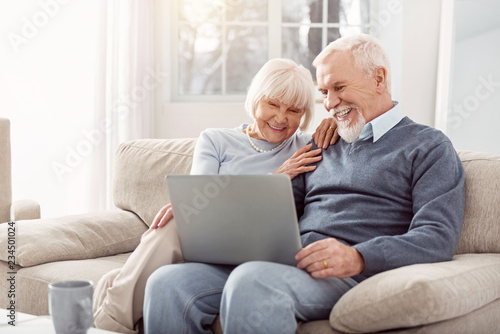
(228, 151)
(398, 200)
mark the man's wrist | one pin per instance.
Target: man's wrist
(360, 262)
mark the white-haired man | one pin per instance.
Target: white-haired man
(389, 194)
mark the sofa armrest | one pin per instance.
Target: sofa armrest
(77, 237)
(419, 294)
(25, 209)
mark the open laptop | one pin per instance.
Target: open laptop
(231, 219)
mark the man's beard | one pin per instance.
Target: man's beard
(350, 130)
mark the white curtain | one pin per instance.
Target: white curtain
(126, 83)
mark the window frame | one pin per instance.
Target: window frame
(274, 49)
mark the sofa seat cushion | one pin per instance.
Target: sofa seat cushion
(419, 294)
(76, 237)
(32, 282)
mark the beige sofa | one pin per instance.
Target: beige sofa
(460, 296)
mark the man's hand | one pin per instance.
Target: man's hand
(326, 133)
(329, 257)
(162, 217)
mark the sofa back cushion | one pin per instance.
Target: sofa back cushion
(140, 170)
(481, 227)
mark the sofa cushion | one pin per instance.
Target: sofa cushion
(141, 167)
(32, 283)
(484, 320)
(76, 237)
(481, 227)
(419, 294)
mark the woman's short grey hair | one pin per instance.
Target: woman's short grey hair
(367, 51)
(285, 81)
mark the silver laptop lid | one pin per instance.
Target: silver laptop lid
(231, 219)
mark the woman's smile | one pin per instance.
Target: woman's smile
(276, 128)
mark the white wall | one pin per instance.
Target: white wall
(474, 112)
(387, 26)
(182, 120)
(421, 23)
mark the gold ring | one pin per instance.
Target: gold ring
(326, 264)
(330, 128)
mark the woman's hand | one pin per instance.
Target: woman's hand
(162, 217)
(299, 162)
(329, 257)
(326, 133)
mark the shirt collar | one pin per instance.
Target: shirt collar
(382, 124)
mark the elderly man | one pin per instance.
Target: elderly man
(389, 194)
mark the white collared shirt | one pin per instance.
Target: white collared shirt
(379, 126)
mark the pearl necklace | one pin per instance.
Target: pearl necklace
(260, 150)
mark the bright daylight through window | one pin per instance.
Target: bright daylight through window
(221, 44)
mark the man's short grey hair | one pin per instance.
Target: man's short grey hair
(367, 51)
(285, 81)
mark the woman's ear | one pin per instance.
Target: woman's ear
(380, 75)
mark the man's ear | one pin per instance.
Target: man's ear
(380, 76)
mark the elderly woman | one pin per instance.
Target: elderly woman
(281, 101)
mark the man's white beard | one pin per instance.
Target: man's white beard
(350, 132)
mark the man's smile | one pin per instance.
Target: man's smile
(341, 112)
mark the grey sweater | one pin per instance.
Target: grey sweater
(398, 201)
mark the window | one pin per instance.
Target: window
(219, 45)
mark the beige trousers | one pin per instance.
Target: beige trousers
(119, 295)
